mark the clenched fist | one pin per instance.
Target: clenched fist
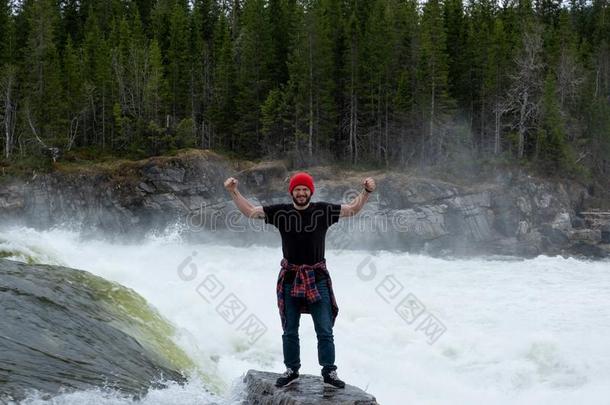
(369, 184)
(231, 184)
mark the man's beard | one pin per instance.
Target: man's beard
(301, 204)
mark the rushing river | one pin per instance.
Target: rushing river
(411, 329)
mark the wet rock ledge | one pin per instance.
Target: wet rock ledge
(65, 330)
(308, 390)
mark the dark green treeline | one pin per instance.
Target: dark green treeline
(385, 82)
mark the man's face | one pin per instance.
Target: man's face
(301, 196)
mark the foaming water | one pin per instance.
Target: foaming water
(411, 329)
(188, 394)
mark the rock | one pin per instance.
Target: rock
(263, 174)
(524, 205)
(472, 216)
(530, 245)
(167, 202)
(588, 235)
(553, 237)
(426, 222)
(146, 187)
(11, 199)
(527, 245)
(404, 192)
(578, 223)
(523, 228)
(589, 250)
(66, 329)
(163, 174)
(562, 222)
(405, 213)
(308, 390)
(605, 234)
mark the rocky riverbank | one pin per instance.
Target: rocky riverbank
(510, 213)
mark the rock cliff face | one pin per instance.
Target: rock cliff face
(128, 199)
(513, 214)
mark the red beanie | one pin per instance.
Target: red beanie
(301, 179)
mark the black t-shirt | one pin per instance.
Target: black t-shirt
(303, 231)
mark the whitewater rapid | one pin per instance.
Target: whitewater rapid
(411, 328)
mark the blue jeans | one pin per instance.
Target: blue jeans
(321, 312)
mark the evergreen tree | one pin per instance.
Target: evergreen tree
(203, 19)
(71, 23)
(548, 11)
(222, 109)
(598, 131)
(473, 93)
(310, 87)
(161, 16)
(42, 109)
(380, 81)
(378, 62)
(253, 75)
(126, 104)
(97, 71)
(330, 17)
(405, 118)
(145, 8)
(7, 28)
(206, 14)
(277, 125)
(551, 148)
(280, 12)
(8, 78)
(460, 54)
(323, 66)
(73, 85)
(495, 80)
(351, 109)
(598, 111)
(8, 104)
(433, 97)
(156, 89)
(179, 67)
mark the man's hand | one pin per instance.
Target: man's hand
(369, 184)
(244, 205)
(231, 184)
(347, 210)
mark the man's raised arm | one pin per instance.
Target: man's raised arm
(347, 210)
(241, 202)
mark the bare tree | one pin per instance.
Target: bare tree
(353, 113)
(32, 125)
(499, 110)
(9, 106)
(524, 95)
(311, 109)
(569, 76)
(73, 130)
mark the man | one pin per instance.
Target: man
(304, 284)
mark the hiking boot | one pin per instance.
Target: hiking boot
(287, 378)
(332, 379)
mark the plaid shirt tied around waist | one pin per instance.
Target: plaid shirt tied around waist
(304, 286)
